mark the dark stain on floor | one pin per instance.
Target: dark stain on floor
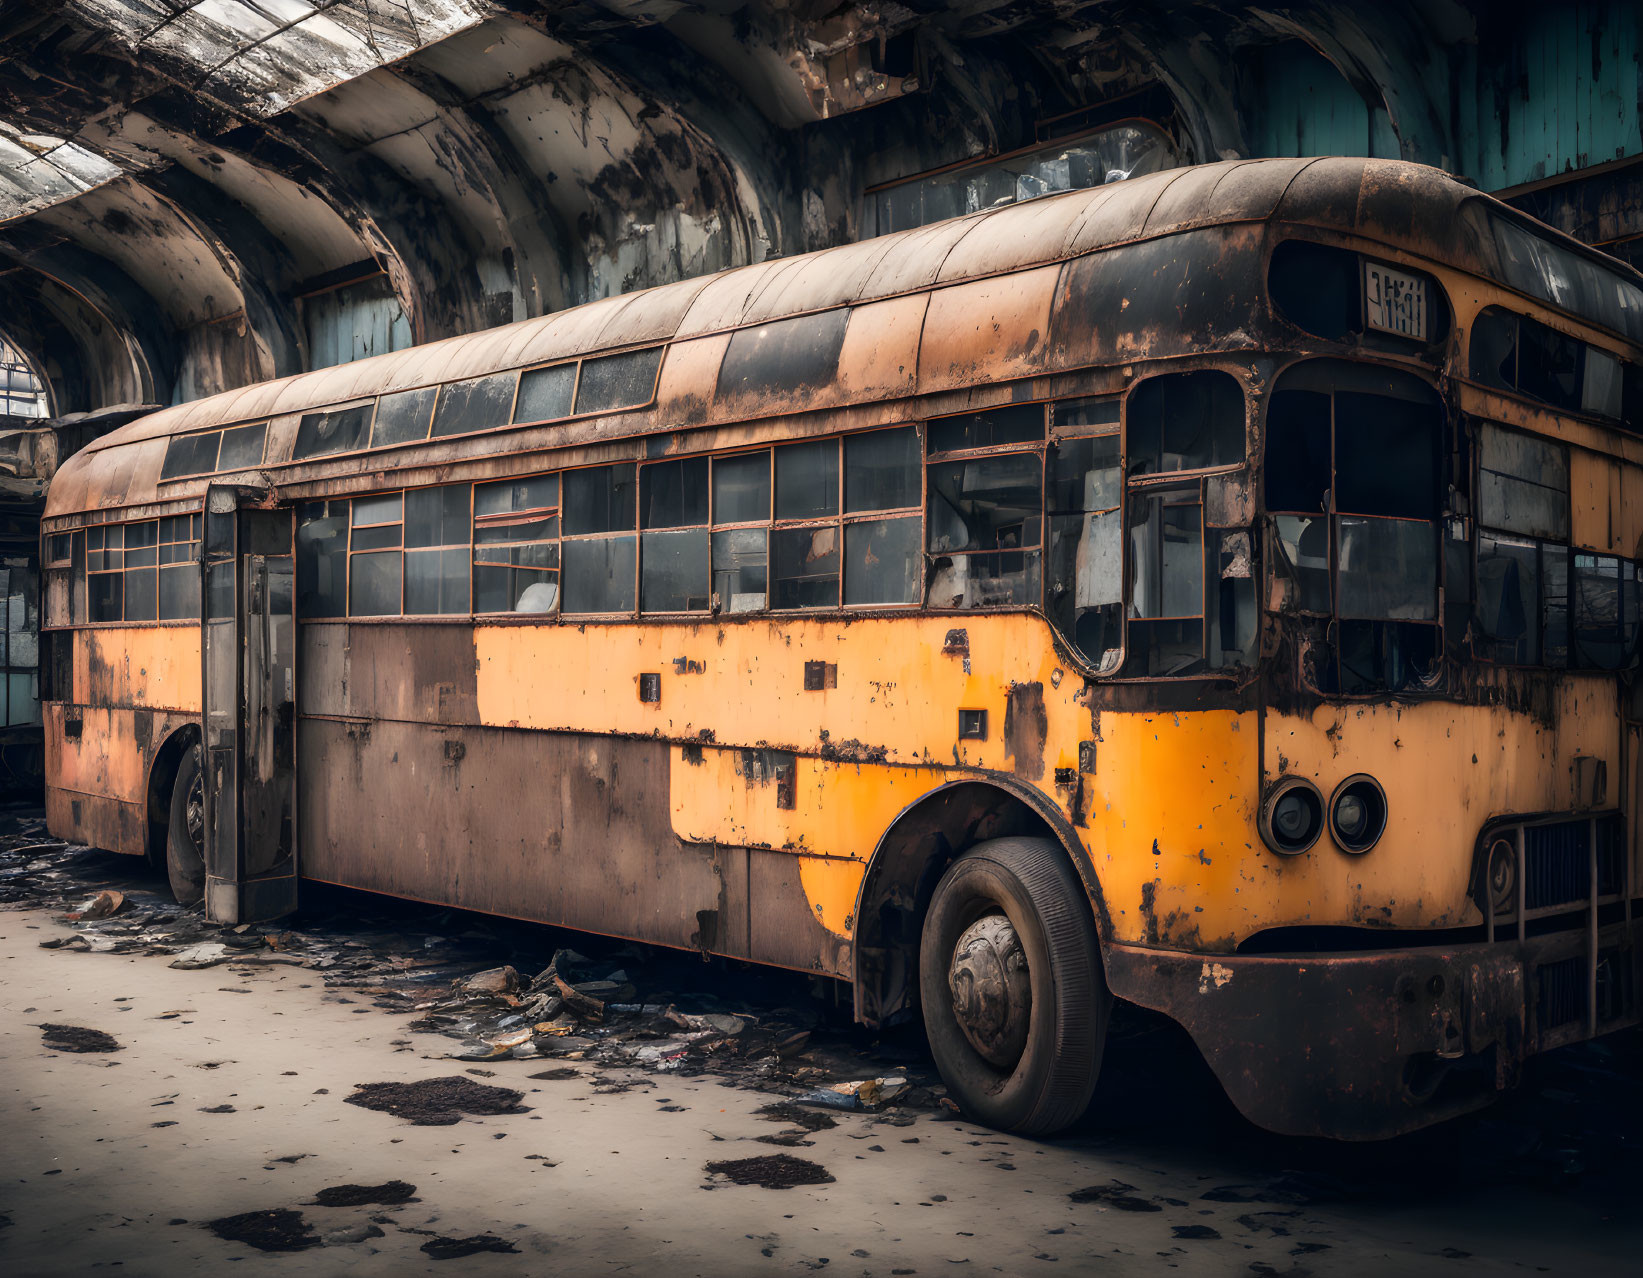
(279, 1229)
(437, 1102)
(772, 1171)
(76, 1038)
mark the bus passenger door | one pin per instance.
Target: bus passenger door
(248, 658)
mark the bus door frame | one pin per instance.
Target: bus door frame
(248, 702)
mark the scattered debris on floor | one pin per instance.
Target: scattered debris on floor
(280, 1229)
(1117, 1194)
(478, 982)
(437, 1102)
(772, 1171)
(390, 1194)
(76, 1038)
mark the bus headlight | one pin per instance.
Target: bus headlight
(1357, 813)
(1292, 817)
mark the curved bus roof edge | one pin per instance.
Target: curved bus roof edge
(1410, 206)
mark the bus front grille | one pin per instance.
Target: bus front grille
(1558, 858)
(1560, 993)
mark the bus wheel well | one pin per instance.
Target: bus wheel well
(902, 877)
(161, 774)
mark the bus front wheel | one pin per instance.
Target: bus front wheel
(185, 832)
(1015, 1006)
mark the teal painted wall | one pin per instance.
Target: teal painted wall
(1299, 104)
(1555, 93)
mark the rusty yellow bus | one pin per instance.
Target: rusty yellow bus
(1218, 591)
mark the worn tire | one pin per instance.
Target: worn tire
(1031, 883)
(184, 841)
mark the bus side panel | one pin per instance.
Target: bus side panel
(98, 761)
(563, 828)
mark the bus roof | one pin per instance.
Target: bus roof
(1410, 205)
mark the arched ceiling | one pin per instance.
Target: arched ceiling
(180, 178)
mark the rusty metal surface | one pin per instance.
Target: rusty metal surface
(1365, 1045)
(1365, 195)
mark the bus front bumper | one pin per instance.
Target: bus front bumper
(1364, 1045)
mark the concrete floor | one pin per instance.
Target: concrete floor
(112, 1160)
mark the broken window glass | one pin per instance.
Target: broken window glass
(1523, 483)
(1014, 424)
(1185, 421)
(741, 488)
(1387, 454)
(1507, 612)
(1316, 288)
(1299, 453)
(1550, 365)
(807, 480)
(1605, 608)
(1493, 348)
(322, 559)
(784, 355)
(1388, 569)
(881, 470)
(618, 381)
(516, 550)
(141, 584)
(336, 430)
(599, 499)
(804, 567)
(190, 455)
(403, 418)
(1388, 656)
(984, 529)
(1166, 552)
(476, 404)
(374, 570)
(1233, 622)
(545, 394)
(739, 574)
(242, 447)
(1302, 554)
(1084, 594)
(598, 573)
(884, 562)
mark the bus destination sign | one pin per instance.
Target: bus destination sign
(1394, 302)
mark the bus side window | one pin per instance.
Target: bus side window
(804, 560)
(599, 546)
(883, 561)
(375, 535)
(986, 510)
(1166, 562)
(436, 550)
(516, 545)
(476, 404)
(141, 587)
(180, 568)
(322, 559)
(105, 560)
(1185, 421)
(1084, 593)
(673, 543)
(741, 497)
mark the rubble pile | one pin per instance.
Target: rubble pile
(484, 983)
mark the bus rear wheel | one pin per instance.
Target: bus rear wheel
(1015, 1006)
(185, 831)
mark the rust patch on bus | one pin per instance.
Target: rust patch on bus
(1026, 728)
